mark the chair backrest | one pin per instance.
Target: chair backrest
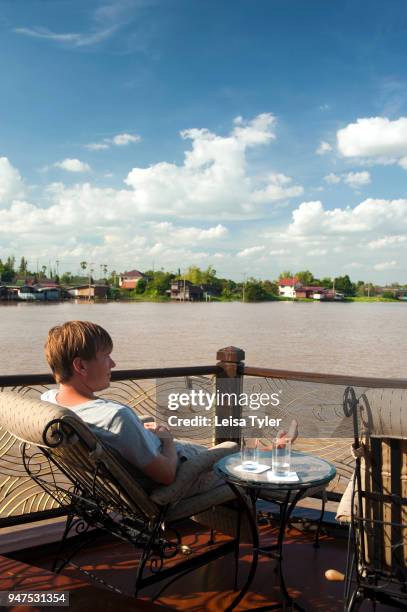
(384, 491)
(79, 466)
(380, 511)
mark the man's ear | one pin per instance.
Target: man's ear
(79, 366)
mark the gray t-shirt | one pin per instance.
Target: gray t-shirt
(118, 426)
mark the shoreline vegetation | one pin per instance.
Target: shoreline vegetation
(194, 284)
(346, 300)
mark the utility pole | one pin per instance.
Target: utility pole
(90, 278)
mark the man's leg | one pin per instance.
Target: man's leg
(208, 479)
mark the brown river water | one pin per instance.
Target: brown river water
(355, 339)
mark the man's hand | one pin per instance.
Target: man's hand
(284, 436)
(288, 436)
(161, 431)
(163, 467)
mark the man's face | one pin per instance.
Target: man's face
(98, 371)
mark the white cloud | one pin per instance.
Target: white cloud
(388, 241)
(374, 137)
(279, 252)
(176, 214)
(96, 146)
(310, 218)
(385, 265)
(403, 162)
(72, 165)
(248, 252)
(255, 132)
(188, 235)
(74, 39)
(120, 140)
(357, 179)
(213, 180)
(332, 179)
(125, 139)
(354, 265)
(278, 188)
(353, 179)
(323, 148)
(11, 183)
(317, 252)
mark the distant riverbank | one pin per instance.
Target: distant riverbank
(165, 299)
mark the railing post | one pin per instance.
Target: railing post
(229, 384)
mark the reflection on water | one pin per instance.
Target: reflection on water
(357, 339)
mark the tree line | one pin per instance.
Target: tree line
(156, 283)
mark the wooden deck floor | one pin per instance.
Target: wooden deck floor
(209, 589)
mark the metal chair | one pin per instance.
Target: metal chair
(98, 491)
(375, 504)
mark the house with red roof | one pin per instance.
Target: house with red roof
(288, 286)
(129, 280)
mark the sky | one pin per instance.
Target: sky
(255, 136)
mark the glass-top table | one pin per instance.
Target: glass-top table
(312, 472)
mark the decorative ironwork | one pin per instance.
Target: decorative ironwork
(377, 566)
(20, 498)
(319, 397)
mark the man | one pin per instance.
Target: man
(79, 355)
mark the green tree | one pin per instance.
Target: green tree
(326, 282)
(389, 295)
(67, 278)
(345, 285)
(23, 266)
(7, 272)
(193, 275)
(255, 291)
(271, 288)
(305, 277)
(285, 274)
(141, 286)
(158, 282)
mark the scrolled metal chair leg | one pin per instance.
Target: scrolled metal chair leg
(355, 602)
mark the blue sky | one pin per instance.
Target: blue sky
(254, 136)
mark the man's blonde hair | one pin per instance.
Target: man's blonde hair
(74, 339)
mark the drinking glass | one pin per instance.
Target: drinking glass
(250, 454)
(281, 456)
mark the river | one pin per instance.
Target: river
(356, 338)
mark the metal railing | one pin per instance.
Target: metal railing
(313, 398)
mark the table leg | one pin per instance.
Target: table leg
(251, 516)
(286, 510)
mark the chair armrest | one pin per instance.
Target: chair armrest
(344, 510)
(189, 471)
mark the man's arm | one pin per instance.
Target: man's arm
(163, 468)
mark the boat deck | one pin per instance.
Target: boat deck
(208, 588)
